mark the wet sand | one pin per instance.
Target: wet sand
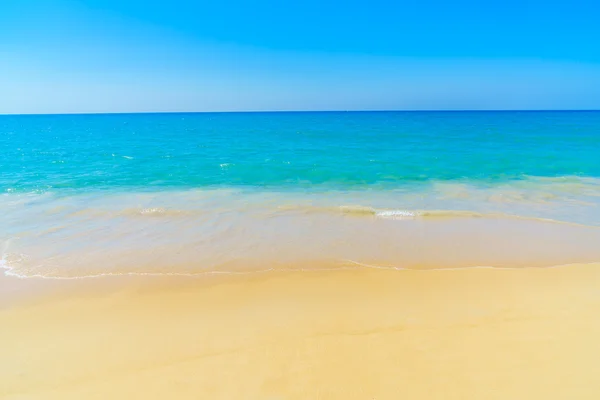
(348, 334)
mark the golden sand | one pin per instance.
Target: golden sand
(362, 334)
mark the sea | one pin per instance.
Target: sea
(236, 193)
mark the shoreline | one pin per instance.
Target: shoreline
(433, 334)
(240, 245)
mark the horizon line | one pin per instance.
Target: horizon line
(300, 111)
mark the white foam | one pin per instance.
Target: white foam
(396, 214)
(9, 271)
(152, 211)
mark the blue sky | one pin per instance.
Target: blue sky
(129, 56)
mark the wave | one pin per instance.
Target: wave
(349, 210)
(344, 210)
(411, 214)
(403, 214)
(156, 212)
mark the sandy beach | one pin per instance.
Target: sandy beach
(349, 334)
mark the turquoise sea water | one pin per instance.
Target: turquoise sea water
(288, 151)
(150, 193)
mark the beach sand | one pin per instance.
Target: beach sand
(477, 333)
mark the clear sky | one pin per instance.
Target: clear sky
(59, 56)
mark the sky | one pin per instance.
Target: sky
(68, 56)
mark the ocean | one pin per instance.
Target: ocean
(212, 193)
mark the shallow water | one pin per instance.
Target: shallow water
(197, 193)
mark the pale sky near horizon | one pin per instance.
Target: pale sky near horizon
(64, 56)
